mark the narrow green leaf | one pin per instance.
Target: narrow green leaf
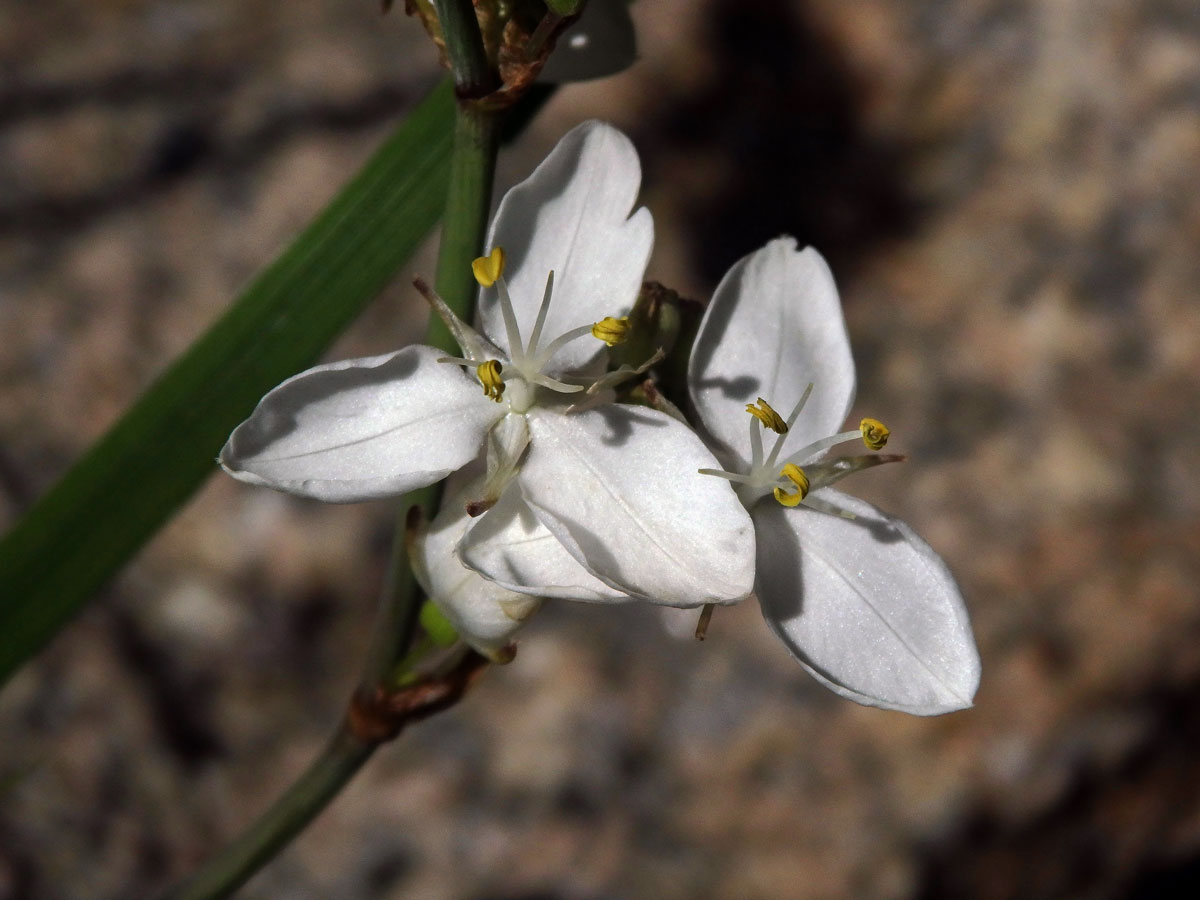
(164, 447)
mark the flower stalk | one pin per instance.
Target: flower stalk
(474, 76)
(371, 721)
(379, 709)
(468, 202)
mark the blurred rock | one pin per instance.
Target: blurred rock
(1009, 191)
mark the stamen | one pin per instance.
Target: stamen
(555, 385)
(705, 618)
(756, 445)
(728, 476)
(487, 269)
(791, 420)
(805, 453)
(623, 374)
(511, 329)
(541, 316)
(829, 508)
(769, 418)
(796, 476)
(489, 377)
(874, 433)
(456, 360)
(561, 341)
(831, 471)
(611, 330)
(463, 333)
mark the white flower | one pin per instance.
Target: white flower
(593, 500)
(855, 595)
(484, 614)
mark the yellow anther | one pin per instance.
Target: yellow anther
(796, 476)
(489, 377)
(874, 433)
(768, 417)
(611, 331)
(488, 269)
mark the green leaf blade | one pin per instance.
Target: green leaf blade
(119, 493)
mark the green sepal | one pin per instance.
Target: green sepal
(565, 7)
(436, 625)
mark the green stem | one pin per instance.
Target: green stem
(259, 843)
(467, 205)
(476, 135)
(473, 74)
(468, 201)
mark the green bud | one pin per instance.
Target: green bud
(564, 7)
(437, 626)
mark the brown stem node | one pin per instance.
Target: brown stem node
(379, 715)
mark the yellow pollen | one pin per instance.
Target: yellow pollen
(874, 433)
(488, 269)
(796, 476)
(611, 331)
(768, 417)
(489, 377)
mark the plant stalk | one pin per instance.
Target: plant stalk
(474, 76)
(472, 167)
(257, 845)
(468, 203)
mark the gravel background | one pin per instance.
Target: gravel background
(1009, 194)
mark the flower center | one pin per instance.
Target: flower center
(518, 378)
(525, 371)
(787, 481)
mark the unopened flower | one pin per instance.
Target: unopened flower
(855, 595)
(615, 488)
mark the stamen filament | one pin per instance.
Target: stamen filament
(791, 420)
(463, 334)
(815, 447)
(561, 341)
(728, 476)
(541, 316)
(623, 374)
(756, 444)
(555, 385)
(510, 320)
(826, 507)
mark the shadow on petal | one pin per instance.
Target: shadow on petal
(276, 415)
(620, 420)
(779, 584)
(742, 388)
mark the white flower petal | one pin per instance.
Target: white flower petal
(867, 606)
(508, 545)
(601, 43)
(362, 428)
(485, 615)
(572, 217)
(618, 487)
(774, 325)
